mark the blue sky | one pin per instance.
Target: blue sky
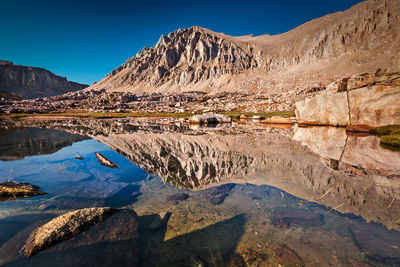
(85, 40)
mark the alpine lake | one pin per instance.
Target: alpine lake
(240, 194)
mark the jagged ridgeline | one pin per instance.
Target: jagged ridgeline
(336, 45)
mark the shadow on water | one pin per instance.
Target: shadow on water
(213, 245)
(123, 197)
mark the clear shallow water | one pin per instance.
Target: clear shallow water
(217, 224)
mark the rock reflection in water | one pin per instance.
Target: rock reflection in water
(348, 174)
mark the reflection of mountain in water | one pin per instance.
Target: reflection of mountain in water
(348, 173)
(34, 141)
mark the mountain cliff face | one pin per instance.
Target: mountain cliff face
(33, 82)
(343, 43)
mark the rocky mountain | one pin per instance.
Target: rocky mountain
(33, 82)
(196, 59)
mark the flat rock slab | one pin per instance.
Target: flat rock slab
(64, 227)
(377, 242)
(13, 190)
(105, 161)
(285, 216)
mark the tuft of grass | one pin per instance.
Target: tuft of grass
(389, 136)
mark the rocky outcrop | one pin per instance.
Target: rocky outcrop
(209, 118)
(33, 82)
(198, 59)
(370, 99)
(14, 190)
(64, 227)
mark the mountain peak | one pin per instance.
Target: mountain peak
(321, 50)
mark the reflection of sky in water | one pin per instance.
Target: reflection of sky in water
(61, 173)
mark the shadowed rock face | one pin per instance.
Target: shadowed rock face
(33, 141)
(343, 43)
(33, 82)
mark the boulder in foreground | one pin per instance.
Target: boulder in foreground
(13, 190)
(64, 227)
(208, 118)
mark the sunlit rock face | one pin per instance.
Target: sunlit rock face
(349, 173)
(343, 43)
(33, 141)
(367, 99)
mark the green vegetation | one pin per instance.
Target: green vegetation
(389, 136)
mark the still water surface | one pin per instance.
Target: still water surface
(259, 197)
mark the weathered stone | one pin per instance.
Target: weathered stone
(209, 118)
(64, 227)
(105, 161)
(368, 100)
(285, 216)
(375, 106)
(377, 242)
(327, 108)
(277, 120)
(13, 190)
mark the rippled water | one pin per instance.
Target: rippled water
(258, 197)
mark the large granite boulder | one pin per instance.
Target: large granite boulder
(366, 99)
(64, 227)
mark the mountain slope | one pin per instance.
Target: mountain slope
(360, 39)
(33, 82)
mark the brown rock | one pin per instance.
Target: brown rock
(13, 190)
(287, 256)
(105, 161)
(63, 227)
(285, 216)
(277, 120)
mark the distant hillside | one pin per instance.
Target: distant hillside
(357, 40)
(33, 82)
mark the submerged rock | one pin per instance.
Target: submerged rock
(218, 194)
(288, 257)
(13, 190)
(377, 242)
(209, 118)
(64, 227)
(285, 216)
(178, 197)
(105, 161)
